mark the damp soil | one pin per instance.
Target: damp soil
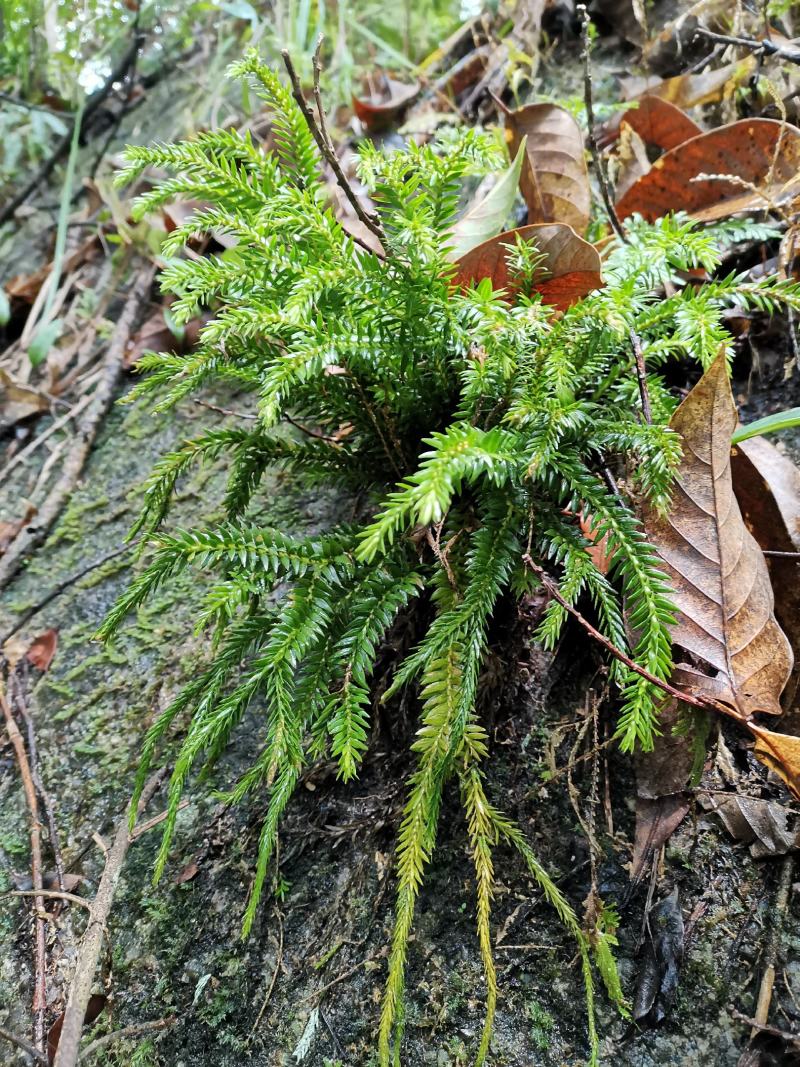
(305, 988)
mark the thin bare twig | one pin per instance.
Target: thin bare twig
(135, 1030)
(48, 894)
(89, 951)
(226, 411)
(81, 445)
(551, 587)
(40, 959)
(275, 972)
(44, 796)
(771, 949)
(597, 159)
(641, 374)
(26, 1046)
(324, 144)
(62, 586)
(763, 48)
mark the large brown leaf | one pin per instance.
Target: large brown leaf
(761, 156)
(554, 180)
(571, 267)
(719, 576)
(767, 486)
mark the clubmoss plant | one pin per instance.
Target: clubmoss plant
(475, 429)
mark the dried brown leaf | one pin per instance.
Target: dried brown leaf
(661, 123)
(742, 166)
(761, 824)
(693, 90)
(767, 486)
(383, 100)
(554, 180)
(571, 268)
(43, 649)
(718, 573)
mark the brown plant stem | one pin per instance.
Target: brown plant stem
(324, 143)
(44, 796)
(597, 159)
(641, 375)
(771, 949)
(763, 48)
(135, 1030)
(40, 960)
(704, 703)
(89, 951)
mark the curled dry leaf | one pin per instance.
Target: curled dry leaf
(717, 571)
(26, 286)
(742, 166)
(761, 824)
(554, 180)
(571, 268)
(719, 577)
(767, 486)
(97, 1002)
(661, 779)
(659, 123)
(43, 649)
(485, 218)
(18, 401)
(383, 101)
(631, 159)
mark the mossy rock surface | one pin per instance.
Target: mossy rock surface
(318, 948)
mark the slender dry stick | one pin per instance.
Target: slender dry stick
(62, 586)
(326, 149)
(89, 951)
(48, 894)
(771, 949)
(26, 1046)
(641, 375)
(40, 958)
(597, 159)
(688, 698)
(765, 47)
(52, 829)
(135, 1030)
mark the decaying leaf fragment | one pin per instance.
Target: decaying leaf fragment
(767, 486)
(554, 180)
(570, 265)
(717, 570)
(761, 824)
(658, 979)
(382, 101)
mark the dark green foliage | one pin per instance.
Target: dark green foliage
(476, 431)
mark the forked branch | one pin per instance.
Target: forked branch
(319, 131)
